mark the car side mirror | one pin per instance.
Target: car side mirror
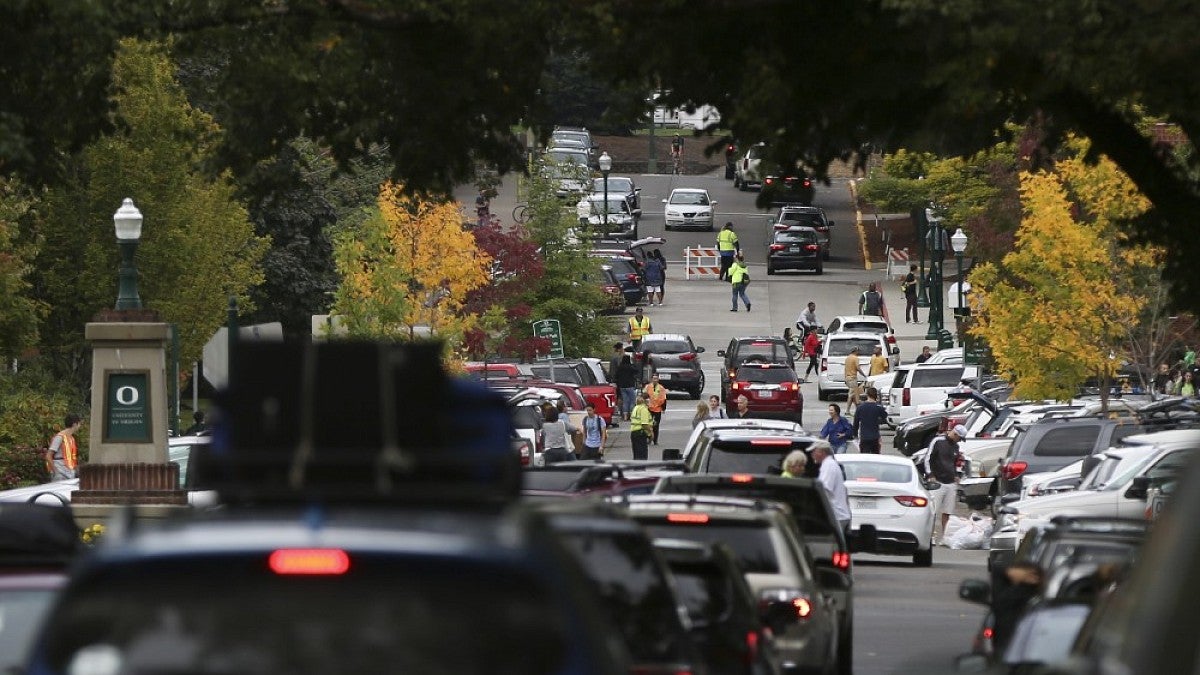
(664, 201)
(699, 350)
(721, 352)
(975, 590)
(832, 579)
(713, 203)
(637, 212)
(637, 190)
(1138, 489)
(672, 454)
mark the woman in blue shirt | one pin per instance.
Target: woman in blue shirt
(837, 430)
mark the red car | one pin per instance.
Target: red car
(771, 389)
(603, 396)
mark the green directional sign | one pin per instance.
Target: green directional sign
(550, 329)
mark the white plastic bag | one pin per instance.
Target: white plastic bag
(972, 534)
(953, 525)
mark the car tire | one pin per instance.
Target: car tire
(821, 395)
(923, 558)
(695, 393)
(821, 269)
(845, 653)
(770, 271)
(743, 187)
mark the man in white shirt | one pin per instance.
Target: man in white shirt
(808, 318)
(834, 482)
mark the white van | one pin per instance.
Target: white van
(921, 384)
(833, 360)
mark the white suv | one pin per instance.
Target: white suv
(833, 359)
(921, 384)
(748, 173)
(690, 208)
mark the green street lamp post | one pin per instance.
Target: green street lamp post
(922, 223)
(933, 238)
(128, 224)
(958, 242)
(605, 167)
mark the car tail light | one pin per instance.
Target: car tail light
(541, 440)
(741, 478)
(526, 455)
(770, 441)
(906, 397)
(309, 561)
(694, 518)
(988, 633)
(803, 607)
(807, 183)
(912, 500)
(787, 386)
(891, 339)
(631, 277)
(777, 247)
(841, 560)
(800, 601)
(824, 365)
(751, 656)
(768, 180)
(1013, 470)
(812, 247)
(735, 385)
(637, 356)
(690, 356)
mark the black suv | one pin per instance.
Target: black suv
(752, 349)
(795, 248)
(675, 358)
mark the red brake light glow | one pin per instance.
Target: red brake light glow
(751, 647)
(311, 561)
(988, 633)
(741, 478)
(911, 500)
(803, 607)
(841, 560)
(777, 247)
(770, 441)
(687, 357)
(695, 518)
(1013, 470)
(811, 247)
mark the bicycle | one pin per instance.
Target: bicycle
(521, 213)
(677, 163)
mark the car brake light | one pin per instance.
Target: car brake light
(807, 183)
(735, 385)
(526, 459)
(803, 607)
(751, 647)
(310, 561)
(906, 397)
(741, 478)
(787, 386)
(824, 365)
(912, 500)
(777, 247)
(690, 356)
(811, 247)
(1013, 470)
(770, 441)
(687, 517)
(631, 277)
(768, 180)
(891, 339)
(841, 560)
(988, 633)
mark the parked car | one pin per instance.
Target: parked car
(777, 567)
(748, 450)
(676, 360)
(837, 346)
(752, 349)
(627, 273)
(637, 249)
(727, 626)
(805, 216)
(620, 185)
(711, 426)
(39, 542)
(888, 493)
(570, 169)
(795, 248)
(613, 218)
(689, 208)
(601, 395)
(591, 478)
(771, 390)
(614, 295)
(748, 173)
(918, 384)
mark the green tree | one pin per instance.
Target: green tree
(198, 246)
(19, 311)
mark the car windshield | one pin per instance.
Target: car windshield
(555, 481)
(564, 374)
(622, 185)
(689, 198)
(614, 206)
(386, 614)
(937, 377)
(666, 347)
(877, 472)
(766, 352)
(633, 592)
(1126, 470)
(786, 237)
(842, 347)
(750, 540)
(567, 156)
(766, 375)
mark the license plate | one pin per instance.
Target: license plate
(664, 376)
(864, 503)
(766, 394)
(689, 220)
(794, 249)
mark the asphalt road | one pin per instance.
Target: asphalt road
(907, 620)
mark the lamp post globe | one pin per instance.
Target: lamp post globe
(127, 222)
(605, 167)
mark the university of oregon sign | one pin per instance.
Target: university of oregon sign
(127, 408)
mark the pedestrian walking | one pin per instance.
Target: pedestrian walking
(199, 426)
(739, 278)
(638, 327)
(924, 355)
(743, 408)
(727, 247)
(716, 411)
(702, 413)
(656, 401)
(879, 363)
(595, 434)
(833, 480)
(657, 255)
(941, 465)
(654, 274)
(852, 374)
(870, 303)
(557, 433)
(909, 286)
(812, 349)
(627, 377)
(867, 421)
(837, 430)
(794, 464)
(62, 455)
(640, 426)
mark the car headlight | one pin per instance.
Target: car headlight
(672, 214)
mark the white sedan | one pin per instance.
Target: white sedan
(689, 208)
(886, 492)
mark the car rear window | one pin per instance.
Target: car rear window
(842, 347)
(633, 592)
(769, 352)
(556, 481)
(565, 374)
(766, 375)
(1073, 441)
(807, 219)
(808, 510)
(666, 347)
(796, 238)
(622, 266)
(704, 590)
(750, 540)
(864, 327)
(877, 472)
(384, 614)
(936, 377)
(743, 457)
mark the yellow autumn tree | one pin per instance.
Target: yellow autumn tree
(1058, 308)
(406, 271)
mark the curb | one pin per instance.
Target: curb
(858, 223)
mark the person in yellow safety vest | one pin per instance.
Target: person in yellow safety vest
(63, 454)
(739, 277)
(638, 328)
(727, 246)
(641, 425)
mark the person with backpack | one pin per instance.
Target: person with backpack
(655, 274)
(870, 303)
(595, 434)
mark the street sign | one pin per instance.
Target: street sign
(550, 329)
(216, 350)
